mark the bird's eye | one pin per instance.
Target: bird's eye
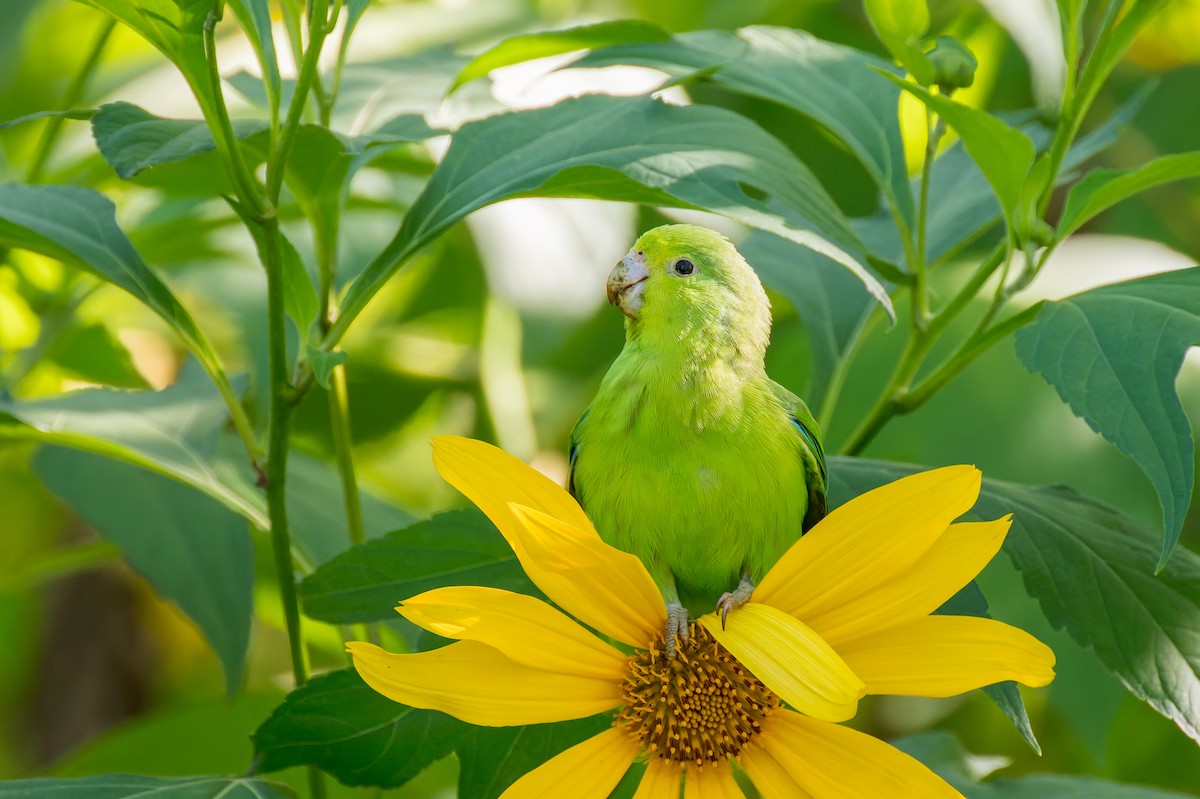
(684, 267)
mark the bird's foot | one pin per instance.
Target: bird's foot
(734, 599)
(677, 626)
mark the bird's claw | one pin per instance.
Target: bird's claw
(734, 599)
(677, 625)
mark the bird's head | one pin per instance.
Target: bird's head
(681, 280)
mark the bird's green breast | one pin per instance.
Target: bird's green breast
(692, 467)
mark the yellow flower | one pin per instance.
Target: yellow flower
(844, 613)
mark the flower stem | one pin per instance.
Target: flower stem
(339, 418)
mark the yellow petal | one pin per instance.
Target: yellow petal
(830, 761)
(871, 539)
(589, 770)
(790, 659)
(491, 478)
(770, 778)
(661, 780)
(952, 562)
(600, 585)
(525, 629)
(948, 655)
(479, 685)
(711, 782)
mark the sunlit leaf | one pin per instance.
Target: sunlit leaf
(366, 582)
(1113, 354)
(347, 729)
(900, 24)
(91, 352)
(1091, 568)
(194, 551)
(517, 49)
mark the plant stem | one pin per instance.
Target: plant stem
(920, 266)
(275, 471)
(339, 418)
(837, 377)
(71, 97)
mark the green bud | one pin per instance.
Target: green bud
(954, 63)
(1042, 234)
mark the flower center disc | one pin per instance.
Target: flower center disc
(702, 707)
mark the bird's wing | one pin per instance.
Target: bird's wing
(573, 455)
(815, 471)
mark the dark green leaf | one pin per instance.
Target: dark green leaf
(1091, 569)
(837, 86)
(1004, 154)
(74, 113)
(79, 226)
(134, 786)
(702, 157)
(132, 139)
(347, 729)
(91, 352)
(1104, 188)
(492, 758)
(517, 49)
(323, 363)
(970, 601)
(194, 551)
(942, 752)
(1113, 353)
(829, 300)
(366, 582)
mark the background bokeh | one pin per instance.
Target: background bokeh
(500, 331)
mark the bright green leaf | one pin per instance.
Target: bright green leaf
(703, 157)
(255, 18)
(900, 24)
(347, 729)
(194, 551)
(492, 758)
(1113, 354)
(366, 582)
(517, 49)
(1101, 189)
(132, 139)
(134, 786)
(323, 363)
(1091, 569)
(1004, 154)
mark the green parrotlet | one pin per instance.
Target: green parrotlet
(690, 456)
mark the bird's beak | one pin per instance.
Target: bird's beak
(626, 282)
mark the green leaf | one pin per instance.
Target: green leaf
(74, 113)
(1113, 353)
(132, 139)
(943, 753)
(173, 432)
(702, 157)
(135, 786)
(829, 300)
(1101, 189)
(194, 551)
(91, 352)
(347, 729)
(1004, 154)
(836, 86)
(365, 582)
(78, 226)
(323, 363)
(900, 24)
(492, 758)
(517, 49)
(970, 601)
(1091, 569)
(255, 18)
